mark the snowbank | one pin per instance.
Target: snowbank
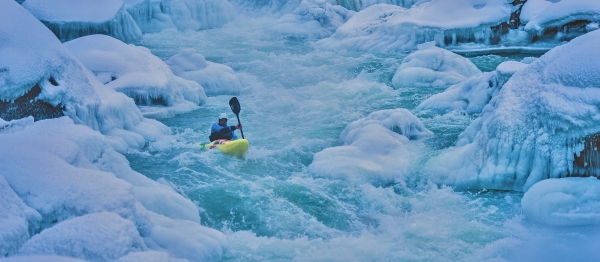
(473, 94)
(376, 149)
(541, 125)
(139, 74)
(69, 19)
(156, 15)
(216, 79)
(389, 28)
(432, 66)
(564, 202)
(312, 19)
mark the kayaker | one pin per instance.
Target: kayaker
(222, 131)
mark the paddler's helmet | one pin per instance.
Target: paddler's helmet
(223, 115)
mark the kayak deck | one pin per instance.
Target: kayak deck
(230, 147)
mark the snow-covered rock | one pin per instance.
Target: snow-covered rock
(376, 149)
(358, 5)
(539, 126)
(541, 15)
(69, 19)
(432, 66)
(216, 79)
(139, 74)
(389, 28)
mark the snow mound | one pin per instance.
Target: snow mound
(473, 94)
(139, 74)
(148, 256)
(312, 19)
(69, 19)
(564, 202)
(216, 79)
(432, 66)
(376, 149)
(541, 125)
(390, 28)
(157, 15)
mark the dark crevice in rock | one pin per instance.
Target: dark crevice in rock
(29, 105)
(588, 162)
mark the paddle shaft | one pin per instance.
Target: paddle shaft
(238, 118)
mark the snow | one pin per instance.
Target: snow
(312, 19)
(216, 79)
(564, 202)
(472, 94)
(148, 256)
(432, 66)
(376, 149)
(70, 19)
(542, 15)
(139, 74)
(534, 128)
(37, 258)
(389, 28)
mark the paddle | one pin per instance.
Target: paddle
(235, 107)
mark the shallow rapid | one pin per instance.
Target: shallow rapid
(296, 100)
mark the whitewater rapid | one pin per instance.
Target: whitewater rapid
(296, 100)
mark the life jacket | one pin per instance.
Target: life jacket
(222, 132)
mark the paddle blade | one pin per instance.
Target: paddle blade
(235, 105)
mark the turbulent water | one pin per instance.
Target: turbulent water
(296, 101)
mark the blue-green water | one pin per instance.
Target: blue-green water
(295, 102)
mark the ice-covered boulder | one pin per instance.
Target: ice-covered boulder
(388, 28)
(38, 76)
(471, 95)
(542, 124)
(376, 149)
(139, 74)
(312, 19)
(216, 79)
(564, 202)
(156, 15)
(561, 19)
(69, 19)
(432, 66)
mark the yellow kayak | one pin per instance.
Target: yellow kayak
(230, 147)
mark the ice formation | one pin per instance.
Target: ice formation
(69, 19)
(312, 19)
(390, 28)
(216, 79)
(433, 66)
(358, 5)
(564, 202)
(376, 149)
(568, 18)
(542, 124)
(471, 95)
(156, 15)
(139, 74)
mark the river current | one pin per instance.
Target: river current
(296, 100)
